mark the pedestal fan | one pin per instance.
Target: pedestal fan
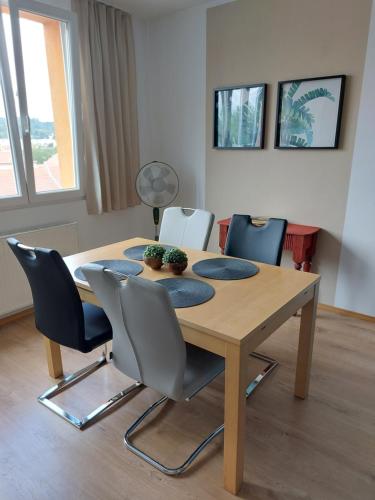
(157, 186)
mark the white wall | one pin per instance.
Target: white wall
(176, 97)
(176, 101)
(356, 278)
(107, 228)
(305, 187)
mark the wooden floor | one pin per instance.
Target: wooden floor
(322, 448)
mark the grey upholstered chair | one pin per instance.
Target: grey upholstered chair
(186, 227)
(143, 318)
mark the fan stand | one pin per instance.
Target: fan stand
(156, 214)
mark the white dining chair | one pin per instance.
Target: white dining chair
(186, 227)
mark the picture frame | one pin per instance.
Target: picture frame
(239, 117)
(309, 113)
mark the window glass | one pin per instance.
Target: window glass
(48, 103)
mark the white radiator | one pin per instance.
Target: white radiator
(15, 293)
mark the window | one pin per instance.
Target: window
(39, 142)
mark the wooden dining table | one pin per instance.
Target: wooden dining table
(241, 315)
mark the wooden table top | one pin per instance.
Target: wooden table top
(238, 308)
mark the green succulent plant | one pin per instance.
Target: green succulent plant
(174, 256)
(154, 252)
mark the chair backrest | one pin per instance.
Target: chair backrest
(186, 227)
(108, 290)
(259, 243)
(142, 314)
(58, 307)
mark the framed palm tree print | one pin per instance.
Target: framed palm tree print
(239, 117)
(309, 113)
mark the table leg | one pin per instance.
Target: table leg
(305, 346)
(53, 352)
(234, 416)
(307, 266)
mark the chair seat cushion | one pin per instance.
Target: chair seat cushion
(201, 368)
(98, 329)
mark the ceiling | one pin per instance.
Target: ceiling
(153, 8)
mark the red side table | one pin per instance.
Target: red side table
(301, 240)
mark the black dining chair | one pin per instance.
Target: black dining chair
(63, 318)
(261, 244)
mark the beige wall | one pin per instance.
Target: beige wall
(252, 41)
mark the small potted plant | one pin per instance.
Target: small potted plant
(176, 260)
(153, 256)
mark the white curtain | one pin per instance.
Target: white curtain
(109, 106)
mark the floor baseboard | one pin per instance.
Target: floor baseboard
(16, 315)
(346, 312)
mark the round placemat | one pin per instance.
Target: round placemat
(225, 269)
(187, 292)
(136, 253)
(119, 266)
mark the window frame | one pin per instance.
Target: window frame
(14, 137)
(24, 170)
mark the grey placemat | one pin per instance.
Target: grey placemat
(136, 253)
(225, 269)
(187, 292)
(120, 266)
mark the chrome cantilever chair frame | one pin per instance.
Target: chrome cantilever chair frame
(73, 379)
(174, 471)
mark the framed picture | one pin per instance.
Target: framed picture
(309, 113)
(239, 117)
